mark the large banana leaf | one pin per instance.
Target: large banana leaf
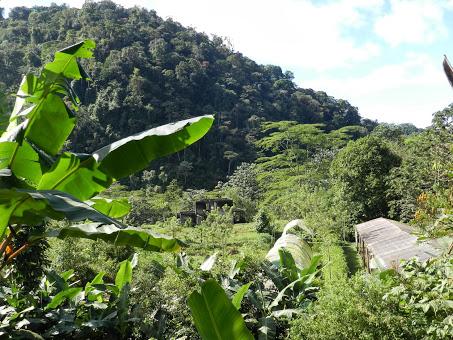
(215, 316)
(33, 207)
(67, 294)
(77, 175)
(135, 152)
(22, 160)
(84, 176)
(37, 205)
(47, 121)
(113, 208)
(50, 124)
(135, 237)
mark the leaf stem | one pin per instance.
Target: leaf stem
(6, 242)
(19, 251)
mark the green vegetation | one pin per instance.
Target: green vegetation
(72, 265)
(148, 71)
(364, 163)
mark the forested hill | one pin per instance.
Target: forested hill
(148, 71)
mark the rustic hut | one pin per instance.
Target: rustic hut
(383, 243)
(187, 216)
(202, 208)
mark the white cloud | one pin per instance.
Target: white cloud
(410, 91)
(409, 21)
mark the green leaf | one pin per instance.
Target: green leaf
(65, 62)
(91, 292)
(10, 132)
(135, 152)
(84, 176)
(267, 329)
(312, 267)
(50, 124)
(273, 273)
(282, 293)
(124, 274)
(113, 208)
(32, 207)
(98, 279)
(67, 274)
(9, 200)
(36, 205)
(215, 316)
(58, 299)
(135, 237)
(22, 160)
(239, 295)
(56, 280)
(287, 264)
(48, 121)
(77, 175)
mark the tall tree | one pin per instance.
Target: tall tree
(359, 173)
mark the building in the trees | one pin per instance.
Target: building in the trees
(202, 208)
(384, 243)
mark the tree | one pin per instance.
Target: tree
(184, 169)
(244, 181)
(424, 172)
(287, 143)
(230, 156)
(359, 173)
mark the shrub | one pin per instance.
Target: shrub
(352, 309)
(263, 223)
(62, 307)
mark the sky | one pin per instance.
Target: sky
(383, 56)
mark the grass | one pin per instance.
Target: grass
(334, 268)
(241, 241)
(352, 258)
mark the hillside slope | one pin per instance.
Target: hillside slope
(149, 71)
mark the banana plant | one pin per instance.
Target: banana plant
(215, 315)
(61, 307)
(286, 291)
(39, 182)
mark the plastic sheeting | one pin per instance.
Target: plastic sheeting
(389, 242)
(299, 248)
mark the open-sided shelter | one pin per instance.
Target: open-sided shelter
(383, 243)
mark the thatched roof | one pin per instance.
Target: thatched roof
(390, 242)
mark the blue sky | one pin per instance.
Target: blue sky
(383, 56)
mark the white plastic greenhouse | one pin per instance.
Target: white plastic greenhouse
(384, 243)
